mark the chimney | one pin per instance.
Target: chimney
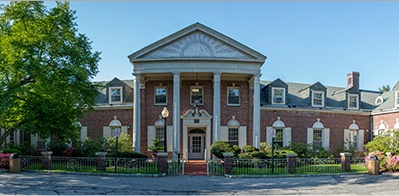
(353, 79)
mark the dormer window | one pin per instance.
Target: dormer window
(397, 99)
(115, 95)
(317, 98)
(353, 101)
(379, 100)
(278, 96)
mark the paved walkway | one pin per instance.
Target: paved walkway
(28, 183)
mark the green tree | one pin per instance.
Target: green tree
(45, 70)
(384, 88)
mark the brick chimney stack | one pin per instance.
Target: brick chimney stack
(353, 79)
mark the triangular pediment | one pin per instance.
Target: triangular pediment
(196, 42)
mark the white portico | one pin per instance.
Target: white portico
(205, 57)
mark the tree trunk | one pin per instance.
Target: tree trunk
(5, 135)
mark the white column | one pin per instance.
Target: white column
(256, 114)
(176, 113)
(216, 107)
(136, 114)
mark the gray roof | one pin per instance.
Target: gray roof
(102, 95)
(388, 101)
(298, 97)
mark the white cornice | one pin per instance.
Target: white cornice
(113, 107)
(348, 112)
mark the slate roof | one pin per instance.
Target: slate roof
(102, 95)
(388, 101)
(298, 97)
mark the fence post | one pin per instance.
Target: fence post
(228, 163)
(345, 162)
(291, 163)
(46, 159)
(163, 163)
(100, 161)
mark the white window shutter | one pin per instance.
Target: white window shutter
(124, 129)
(346, 138)
(106, 132)
(326, 138)
(17, 137)
(361, 140)
(242, 136)
(269, 135)
(286, 136)
(33, 139)
(310, 136)
(169, 139)
(150, 135)
(83, 134)
(224, 133)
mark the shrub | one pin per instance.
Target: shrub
(156, 146)
(125, 143)
(220, 147)
(127, 155)
(5, 161)
(11, 150)
(72, 152)
(249, 148)
(57, 148)
(260, 155)
(308, 150)
(388, 142)
(90, 147)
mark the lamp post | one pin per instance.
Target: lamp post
(165, 114)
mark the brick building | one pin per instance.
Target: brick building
(211, 86)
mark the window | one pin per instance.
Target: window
(379, 100)
(397, 98)
(318, 137)
(353, 139)
(233, 96)
(317, 99)
(160, 95)
(353, 101)
(278, 96)
(12, 138)
(279, 137)
(115, 94)
(233, 136)
(197, 94)
(159, 133)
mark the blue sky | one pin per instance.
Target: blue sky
(304, 42)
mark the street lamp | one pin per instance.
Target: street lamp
(165, 114)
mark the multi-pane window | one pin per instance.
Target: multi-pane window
(115, 94)
(197, 95)
(353, 101)
(278, 96)
(318, 137)
(353, 138)
(160, 95)
(318, 99)
(159, 133)
(279, 137)
(233, 96)
(233, 136)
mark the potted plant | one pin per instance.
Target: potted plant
(156, 147)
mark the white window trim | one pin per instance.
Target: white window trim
(283, 97)
(239, 97)
(396, 99)
(357, 101)
(322, 99)
(110, 94)
(191, 94)
(379, 100)
(155, 95)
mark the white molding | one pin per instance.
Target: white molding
(322, 99)
(155, 95)
(357, 101)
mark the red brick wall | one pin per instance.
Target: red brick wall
(299, 121)
(388, 119)
(97, 119)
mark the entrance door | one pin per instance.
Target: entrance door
(196, 140)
